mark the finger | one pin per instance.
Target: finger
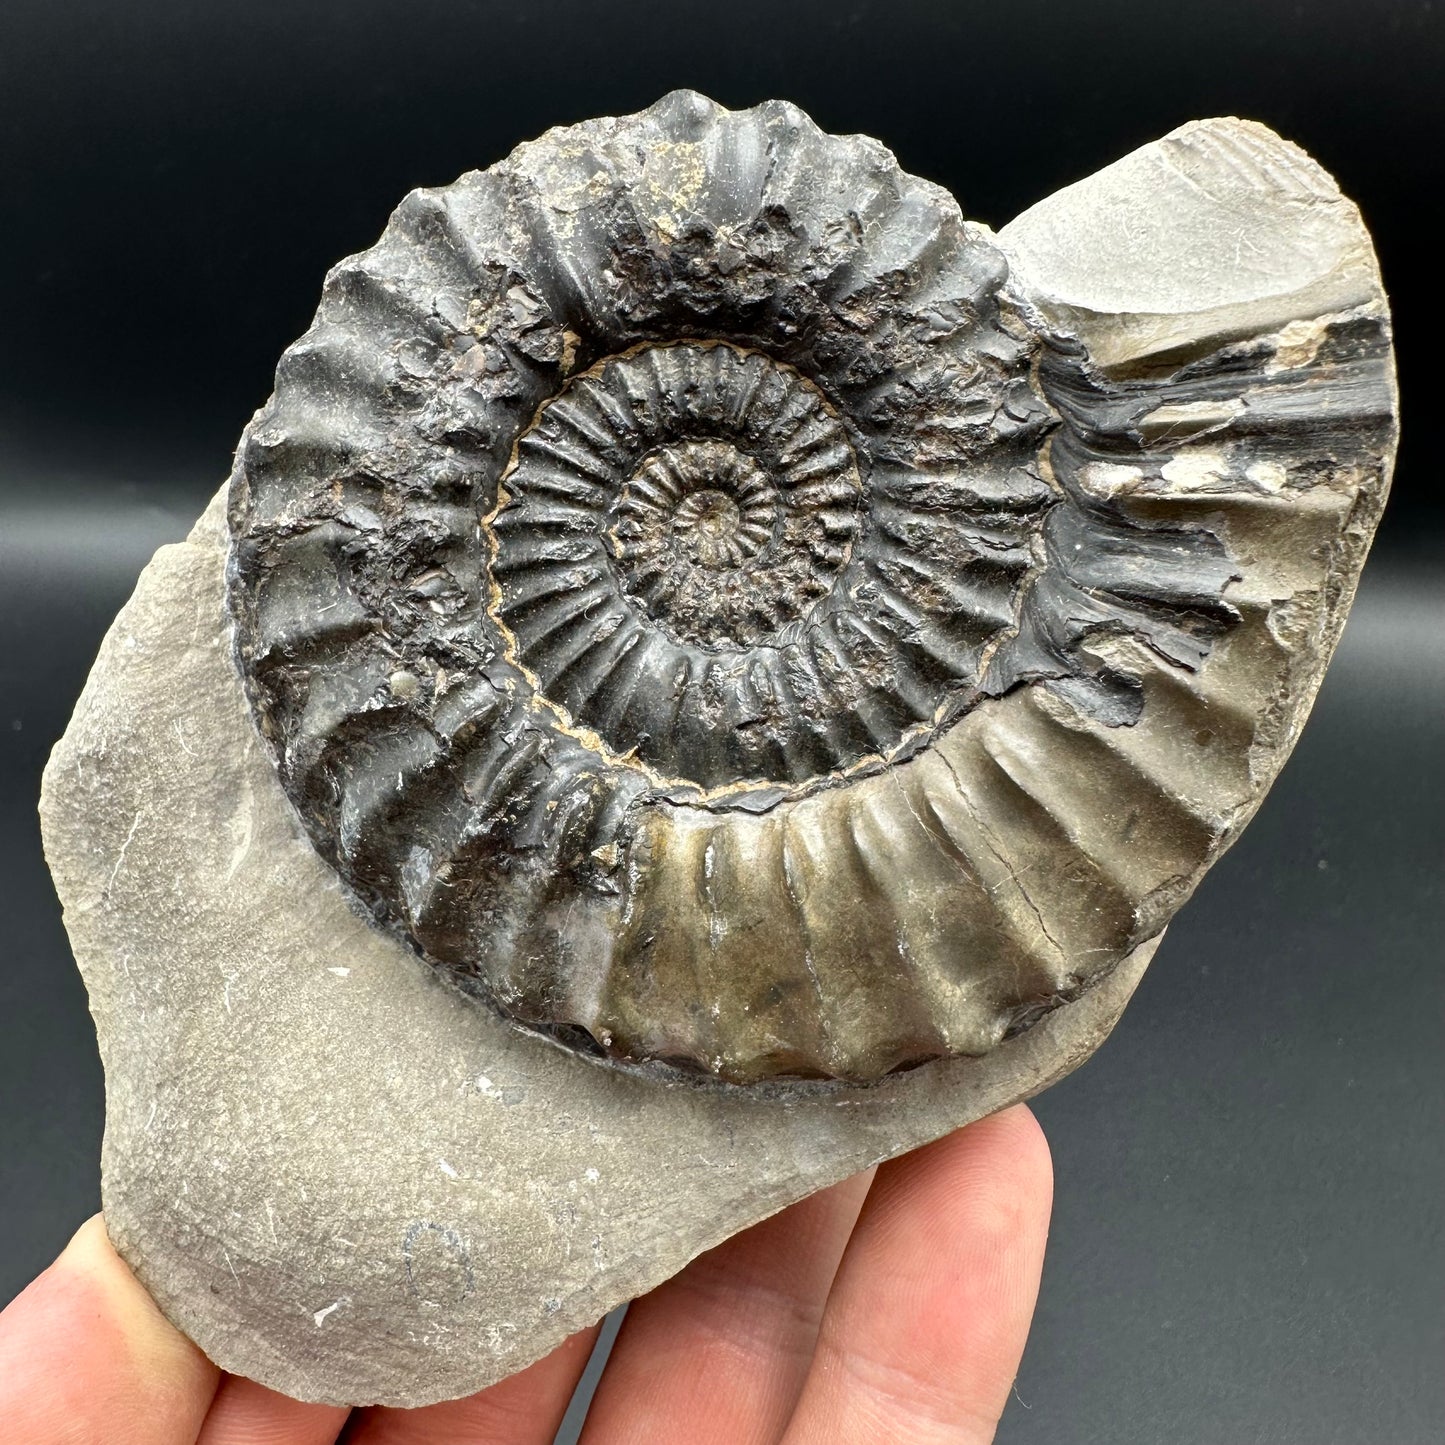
(925, 1327)
(86, 1355)
(719, 1352)
(524, 1409)
(245, 1413)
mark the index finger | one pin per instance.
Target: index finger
(926, 1323)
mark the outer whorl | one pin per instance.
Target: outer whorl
(693, 593)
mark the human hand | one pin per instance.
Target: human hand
(890, 1308)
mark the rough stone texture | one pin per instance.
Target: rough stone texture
(1220, 230)
(337, 1174)
(823, 691)
(347, 1179)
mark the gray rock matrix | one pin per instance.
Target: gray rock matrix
(355, 1182)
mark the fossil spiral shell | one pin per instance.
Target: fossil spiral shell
(694, 593)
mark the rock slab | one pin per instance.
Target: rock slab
(346, 1180)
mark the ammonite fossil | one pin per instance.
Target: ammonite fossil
(697, 597)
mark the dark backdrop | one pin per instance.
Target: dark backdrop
(1247, 1242)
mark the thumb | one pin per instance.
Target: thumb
(86, 1356)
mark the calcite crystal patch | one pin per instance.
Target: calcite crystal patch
(707, 657)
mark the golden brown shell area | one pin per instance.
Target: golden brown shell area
(676, 579)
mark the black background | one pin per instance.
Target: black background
(1247, 1241)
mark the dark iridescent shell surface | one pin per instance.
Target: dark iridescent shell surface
(679, 579)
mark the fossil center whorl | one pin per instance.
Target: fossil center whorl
(709, 522)
(678, 513)
(687, 522)
(736, 528)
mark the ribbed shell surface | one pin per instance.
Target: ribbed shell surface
(684, 584)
